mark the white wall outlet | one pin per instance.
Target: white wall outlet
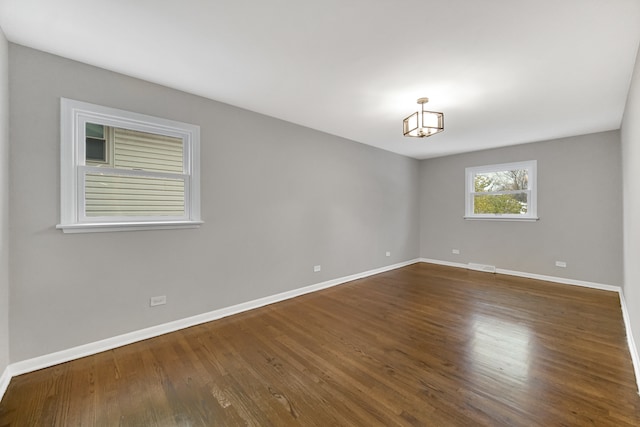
(316, 268)
(159, 300)
(388, 253)
(455, 251)
(561, 264)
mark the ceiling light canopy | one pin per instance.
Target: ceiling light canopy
(423, 123)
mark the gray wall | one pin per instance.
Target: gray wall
(579, 205)
(631, 187)
(4, 204)
(276, 202)
(277, 199)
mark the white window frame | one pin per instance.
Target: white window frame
(532, 191)
(74, 116)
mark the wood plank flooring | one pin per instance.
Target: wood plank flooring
(424, 345)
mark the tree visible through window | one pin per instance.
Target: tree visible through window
(501, 191)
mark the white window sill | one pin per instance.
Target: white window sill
(101, 227)
(501, 218)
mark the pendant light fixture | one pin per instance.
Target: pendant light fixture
(423, 123)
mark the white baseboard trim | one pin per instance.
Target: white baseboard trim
(447, 263)
(633, 349)
(554, 279)
(5, 378)
(562, 280)
(52, 359)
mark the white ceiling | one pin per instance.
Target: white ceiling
(504, 72)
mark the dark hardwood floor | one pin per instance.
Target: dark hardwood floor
(424, 345)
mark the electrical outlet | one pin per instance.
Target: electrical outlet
(561, 264)
(455, 251)
(159, 300)
(316, 268)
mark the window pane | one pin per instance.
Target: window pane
(507, 189)
(147, 151)
(94, 131)
(500, 204)
(117, 195)
(96, 150)
(510, 180)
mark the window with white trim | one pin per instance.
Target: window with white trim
(126, 171)
(505, 191)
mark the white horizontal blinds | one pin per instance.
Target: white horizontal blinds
(147, 151)
(120, 195)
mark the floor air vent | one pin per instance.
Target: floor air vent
(482, 267)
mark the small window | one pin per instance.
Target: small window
(96, 143)
(130, 172)
(506, 191)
